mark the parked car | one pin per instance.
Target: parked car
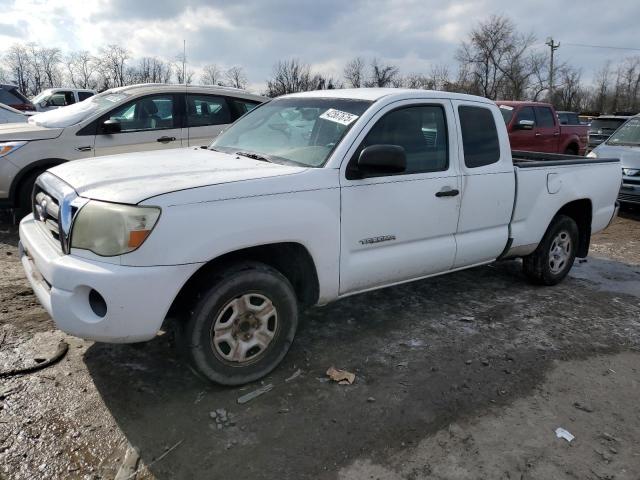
(11, 115)
(534, 127)
(568, 118)
(53, 98)
(624, 144)
(126, 119)
(602, 127)
(308, 198)
(10, 95)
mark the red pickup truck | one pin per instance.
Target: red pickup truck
(534, 127)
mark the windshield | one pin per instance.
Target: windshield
(76, 113)
(507, 113)
(627, 134)
(608, 124)
(302, 131)
(41, 96)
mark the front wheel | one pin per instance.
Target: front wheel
(242, 324)
(554, 257)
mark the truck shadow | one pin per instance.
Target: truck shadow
(423, 354)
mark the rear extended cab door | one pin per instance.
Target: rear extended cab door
(547, 130)
(488, 184)
(400, 227)
(148, 122)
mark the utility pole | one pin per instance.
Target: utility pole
(553, 46)
(184, 60)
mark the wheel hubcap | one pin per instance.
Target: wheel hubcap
(244, 328)
(560, 252)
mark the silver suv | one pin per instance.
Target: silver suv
(125, 119)
(625, 145)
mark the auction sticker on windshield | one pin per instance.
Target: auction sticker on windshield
(338, 116)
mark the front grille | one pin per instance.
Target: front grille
(627, 197)
(46, 210)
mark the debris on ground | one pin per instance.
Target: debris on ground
(562, 433)
(295, 375)
(256, 393)
(129, 466)
(167, 452)
(63, 348)
(343, 377)
(222, 418)
(371, 399)
(583, 407)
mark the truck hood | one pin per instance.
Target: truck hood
(27, 131)
(133, 177)
(629, 156)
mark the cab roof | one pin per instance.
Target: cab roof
(374, 94)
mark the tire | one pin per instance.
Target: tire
(23, 206)
(544, 268)
(571, 151)
(254, 311)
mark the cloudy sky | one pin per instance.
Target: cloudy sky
(413, 34)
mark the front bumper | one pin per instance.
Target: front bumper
(137, 298)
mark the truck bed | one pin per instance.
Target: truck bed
(523, 159)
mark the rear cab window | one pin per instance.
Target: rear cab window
(480, 141)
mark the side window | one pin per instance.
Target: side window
(203, 110)
(479, 136)
(526, 113)
(545, 117)
(563, 118)
(69, 98)
(84, 95)
(147, 113)
(421, 131)
(243, 106)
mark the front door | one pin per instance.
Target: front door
(147, 123)
(520, 138)
(401, 226)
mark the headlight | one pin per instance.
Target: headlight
(592, 154)
(7, 147)
(110, 229)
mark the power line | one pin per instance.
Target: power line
(601, 46)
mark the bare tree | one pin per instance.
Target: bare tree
(289, 76)
(17, 61)
(354, 73)
(498, 58)
(81, 68)
(236, 77)
(211, 75)
(113, 65)
(381, 75)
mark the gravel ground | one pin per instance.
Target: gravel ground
(464, 376)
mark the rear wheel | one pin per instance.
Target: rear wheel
(242, 324)
(554, 257)
(571, 150)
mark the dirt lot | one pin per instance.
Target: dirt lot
(466, 376)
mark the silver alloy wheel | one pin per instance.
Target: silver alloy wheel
(560, 252)
(244, 328)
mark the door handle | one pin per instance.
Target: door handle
(165, 139)
(448, 192)
(538, 134)
(86, 148)
(555, 134)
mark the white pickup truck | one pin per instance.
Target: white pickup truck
(307, 199)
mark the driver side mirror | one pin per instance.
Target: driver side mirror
(525, 125)
(111, 126)
(382, 160)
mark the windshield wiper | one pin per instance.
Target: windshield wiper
(254, 156)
